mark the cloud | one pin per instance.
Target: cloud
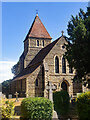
(5, 70)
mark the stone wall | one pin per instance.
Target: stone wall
(46, 72)
(50, 75)
(58, 78)
(32, 88)
(33, 49)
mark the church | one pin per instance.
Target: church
(42, 61)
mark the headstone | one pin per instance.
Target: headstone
(55, 116)
(50, 87)
(3, 96)
(10, 96)
(16, 96)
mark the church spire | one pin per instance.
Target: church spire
(37, 29)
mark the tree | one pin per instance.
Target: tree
(6, 87)
(16, 69)
(78, 48)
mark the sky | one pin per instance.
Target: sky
(17, 18)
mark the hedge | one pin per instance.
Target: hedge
(83, 106)
(61, 102)
(38, 108)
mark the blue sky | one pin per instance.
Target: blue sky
(17, 18)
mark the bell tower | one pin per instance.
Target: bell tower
(36, 39)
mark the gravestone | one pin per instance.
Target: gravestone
(3, 96)
(16, 96)
(50, 87)
(9, 96)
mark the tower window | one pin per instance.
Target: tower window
(56, 65)
(37, 42)
(63, 65)
(42, 43)
(36, 82)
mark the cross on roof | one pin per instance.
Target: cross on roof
(36, 12)
(62, 32)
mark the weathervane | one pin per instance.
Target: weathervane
(62, 32)
(36, 12)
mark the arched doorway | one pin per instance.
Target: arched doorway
(64, 86)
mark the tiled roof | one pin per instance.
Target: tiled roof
(38, 30)
(38, 60)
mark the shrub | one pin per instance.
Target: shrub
(37, 108)
(83, 106)
(61, 102)
(7, 110)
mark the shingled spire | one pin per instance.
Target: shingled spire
(38, 30)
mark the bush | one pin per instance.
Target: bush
(7, 110)
(83, 106)
(61, 102)
(37, 108)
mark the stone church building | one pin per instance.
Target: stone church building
(43, 61)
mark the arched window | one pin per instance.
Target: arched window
(36, 82)
(56, 65)
(63, 65)
(43, 43)
(37, 42)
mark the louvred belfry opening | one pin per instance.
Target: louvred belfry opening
(38, 30)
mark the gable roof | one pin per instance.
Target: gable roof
(38, 30)
(37, 60)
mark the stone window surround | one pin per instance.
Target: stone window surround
(61, 46)
(37, 82)
(60, 65)
(64, 66)
(37, 43)
(41, 43)
(56, 66)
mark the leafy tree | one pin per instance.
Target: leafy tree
(6, 87)
(83, 106)
(78, 48)
(16, 69)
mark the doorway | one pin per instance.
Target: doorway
(64, 86)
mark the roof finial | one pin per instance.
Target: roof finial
(36, 12)
(62, 32)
